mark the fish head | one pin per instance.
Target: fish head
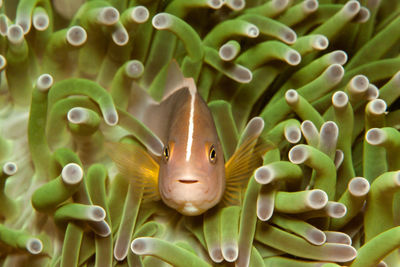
(192, 172)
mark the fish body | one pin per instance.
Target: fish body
(191, 176)
(192, 170)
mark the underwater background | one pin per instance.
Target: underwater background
(323, 75)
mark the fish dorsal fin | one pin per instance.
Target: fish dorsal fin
(239, 168)
(135, 164)
(140, 102)
(175, 80)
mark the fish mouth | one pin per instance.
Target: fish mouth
(188, 181)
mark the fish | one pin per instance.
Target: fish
(191, 175)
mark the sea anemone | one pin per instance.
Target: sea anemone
(324, 77)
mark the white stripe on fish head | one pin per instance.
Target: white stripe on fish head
(189, 144)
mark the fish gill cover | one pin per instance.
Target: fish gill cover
(324, 77)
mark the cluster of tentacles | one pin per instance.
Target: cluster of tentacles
(324, 76)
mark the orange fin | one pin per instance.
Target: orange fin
(134, 163)
(240, 167)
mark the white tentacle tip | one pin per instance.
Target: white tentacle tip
(293, 57)
(76, 36)
(298, 154)
(72, 174)
(317, 199)
(111, 118)
(292, 134)
(140, 14)
(141, 245)
(15, 34)
(10, 168)
(34, 246)
(108, 16)
(162, 21)
(97, 213)
(264, 175)
(359, 186)
(44, 82)
(230, 252)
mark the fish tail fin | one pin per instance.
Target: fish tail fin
(134, 163)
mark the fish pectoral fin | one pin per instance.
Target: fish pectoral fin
(241, 166)
(136, 164)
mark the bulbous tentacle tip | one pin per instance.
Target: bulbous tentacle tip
(34, 246)
(230, 252)
(293, 57)
(10, 168)
(242, 74)
(120, 252)
(255, 126)
(335, 73)
(317, 199)
(120, 37)
(329, 131)
(362, 16)
(340, 99)
(216, 254)
(298, 154)
(134, 69)
(140, 14)
(111, 118)
(97, 213)
(76, 36)
(236, 5)
(105, 229)
(337, 238)
(41, 21)
(320, 42)
(351, 8)
(289, 36)
(253, 31)
(15, 34)
(108, 16)
(375, 136)
(359, 186)
(161, 21)
(140, 246)
(316, 236)
(44, 82)
(377, 107)
(215, 4)
(280, 4)
(336, 210)
(339, 57)
(292, 134)
(264, 175)
(291, 96)
(308, 126)
(72, 174)
(77, 115)
(359, 83)
(310, 6)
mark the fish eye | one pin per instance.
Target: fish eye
(166, 153)
(212, 154)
